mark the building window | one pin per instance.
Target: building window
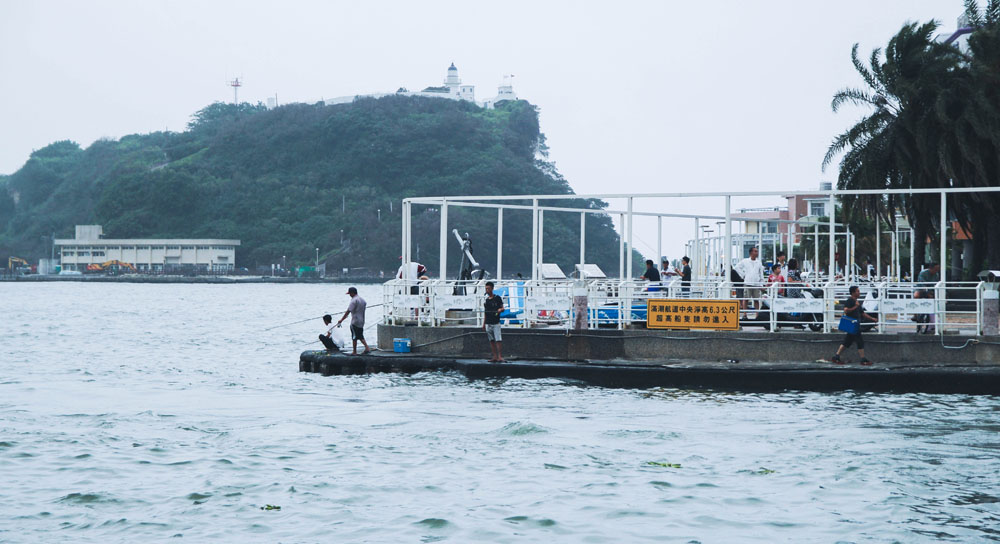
(173, 247)
(187, 247)
(817, 208)
(84, 254)
(98, 254)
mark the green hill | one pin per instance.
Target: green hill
(299, 177)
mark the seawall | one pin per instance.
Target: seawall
(707, 346)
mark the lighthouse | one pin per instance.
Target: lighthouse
(455, 87)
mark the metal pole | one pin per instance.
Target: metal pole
(583, 241)
(499, 243)
(774, 247)
(621, 247)
(728, 249)
(659, 238)
(628, 251)
(541, 238)
(944, 238)
(833, 219)
(816, 248)
(534, 239)
(443, 258)
(893, 255)
(912, 264)
(878, 246)
(696, 258)
(407, 234)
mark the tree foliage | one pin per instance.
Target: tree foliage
(299, 177)
(932, 121)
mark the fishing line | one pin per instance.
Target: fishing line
(317, 317)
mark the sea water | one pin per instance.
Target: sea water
(141, 412)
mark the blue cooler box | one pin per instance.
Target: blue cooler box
(849, 325)
(401, 345)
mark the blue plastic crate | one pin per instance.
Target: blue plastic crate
(401, 345)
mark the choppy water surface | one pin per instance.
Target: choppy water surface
(143, 412)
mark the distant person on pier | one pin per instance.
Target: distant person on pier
(926, 280)
(327, 337)
(492, 308)
(410, 272)
(651, 275)
(356, 309)
(752, 272)
(852, 308)
(685, 273)
(777, 279)
(793, 277)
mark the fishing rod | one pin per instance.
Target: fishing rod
(312, 318)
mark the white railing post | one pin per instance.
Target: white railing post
(833, 240)
(499, 243)
(940, 305)
(443, 257)
(944, 237)
(621, 248)
(830, 303)
(881, 290)
(772, 295)
(628, 250)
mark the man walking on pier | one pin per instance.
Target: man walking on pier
(492, 308)
(357, 311)
(853, 309)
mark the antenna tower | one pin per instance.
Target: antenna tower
(236, 84)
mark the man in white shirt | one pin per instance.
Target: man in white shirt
(752, 272)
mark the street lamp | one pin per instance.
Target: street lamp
(317, 257)
(282, 262)
(379, 214)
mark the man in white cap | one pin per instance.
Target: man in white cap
(357, 310)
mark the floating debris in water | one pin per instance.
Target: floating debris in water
(665, 465)
(270, 507)
(765, 471)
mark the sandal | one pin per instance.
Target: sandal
(865, 362)
(836, 360)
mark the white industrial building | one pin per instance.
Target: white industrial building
(151, 255)
(452, 90)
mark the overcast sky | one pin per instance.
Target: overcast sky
(634, 96)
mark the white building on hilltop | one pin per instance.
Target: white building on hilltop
(452, 89)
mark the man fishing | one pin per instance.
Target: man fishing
(327, 337)
(356, 309)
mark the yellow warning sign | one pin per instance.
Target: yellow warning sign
(690, 313)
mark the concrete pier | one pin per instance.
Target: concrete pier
(753, 376)
(708, 346)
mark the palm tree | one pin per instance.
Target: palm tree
(969, 112)
(895, 146)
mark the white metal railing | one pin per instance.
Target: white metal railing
(898, 307)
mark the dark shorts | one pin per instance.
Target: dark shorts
(357, 333)
(854, 339)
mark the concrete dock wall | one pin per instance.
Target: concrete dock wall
(642, 344)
